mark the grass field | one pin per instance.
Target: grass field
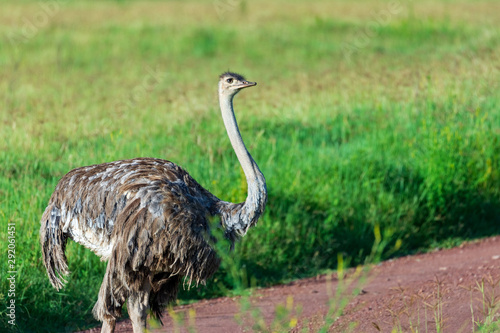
(368, 115)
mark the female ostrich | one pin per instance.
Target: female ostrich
(150, 219)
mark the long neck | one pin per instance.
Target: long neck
(242, 217)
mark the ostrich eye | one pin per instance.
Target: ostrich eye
(230, 80)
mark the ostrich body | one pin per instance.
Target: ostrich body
(150, 220)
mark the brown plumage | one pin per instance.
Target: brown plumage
(150, 219)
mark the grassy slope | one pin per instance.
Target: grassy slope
(398, 129)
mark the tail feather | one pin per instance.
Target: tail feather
(53, 243)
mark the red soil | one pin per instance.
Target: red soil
(407, 293)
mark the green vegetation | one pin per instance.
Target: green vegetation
(358, 120)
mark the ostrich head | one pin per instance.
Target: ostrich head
(231, 83)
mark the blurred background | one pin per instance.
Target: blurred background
(374, 122)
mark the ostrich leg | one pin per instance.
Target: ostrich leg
(138, 306)
(108, 326)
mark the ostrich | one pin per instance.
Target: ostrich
(150, 220)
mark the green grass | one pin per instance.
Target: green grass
(401, 132)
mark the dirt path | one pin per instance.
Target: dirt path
(407, 293)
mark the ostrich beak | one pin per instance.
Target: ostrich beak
(246, 84)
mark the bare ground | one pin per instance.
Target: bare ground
(420, 293)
